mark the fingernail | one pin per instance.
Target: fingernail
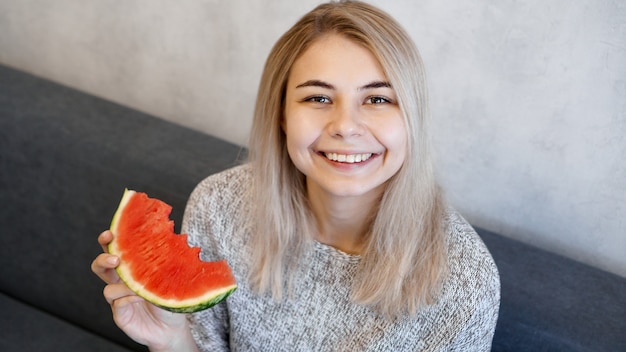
(112, 260)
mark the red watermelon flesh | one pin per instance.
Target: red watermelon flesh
(158, 264)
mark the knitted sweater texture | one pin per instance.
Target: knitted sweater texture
(319, 314)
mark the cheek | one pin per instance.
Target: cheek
(300, 130)
(392, 134)
(300, 138)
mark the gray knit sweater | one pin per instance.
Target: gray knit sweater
(320, 316)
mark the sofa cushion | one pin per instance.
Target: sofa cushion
(25, 328)
(66, 158)
(552, 303)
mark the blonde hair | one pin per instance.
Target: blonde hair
(404, 261)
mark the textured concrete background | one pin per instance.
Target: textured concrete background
(529, 97)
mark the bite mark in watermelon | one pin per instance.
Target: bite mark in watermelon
(158, 264)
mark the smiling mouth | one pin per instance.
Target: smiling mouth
(348, 158)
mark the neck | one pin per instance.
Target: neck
(342, 222)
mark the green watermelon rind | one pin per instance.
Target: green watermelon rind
(203, 302)
(200, 306)
(196, 304)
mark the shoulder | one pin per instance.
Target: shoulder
(218, 204)
(465, 248)
(472, 290)
(471, 266)
(228, 182)
(220, 191)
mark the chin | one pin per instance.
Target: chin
(351, 189)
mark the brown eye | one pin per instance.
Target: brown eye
(320, 99)
(377, 100)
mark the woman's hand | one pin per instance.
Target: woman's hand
(140, 320)
(104, 265)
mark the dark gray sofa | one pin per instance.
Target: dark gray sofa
(65, 159)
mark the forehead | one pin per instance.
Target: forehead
(335, 58)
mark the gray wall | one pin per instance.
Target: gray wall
(529, 97)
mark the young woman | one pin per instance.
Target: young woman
(336, 230)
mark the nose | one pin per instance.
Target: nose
(345, 122)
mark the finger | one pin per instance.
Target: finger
(104, 239)
(103, 266)
(103, 262)
(120, 293)
(129, 310)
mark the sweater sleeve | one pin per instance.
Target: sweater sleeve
(480, 327)
(209, 327)
(482, 303)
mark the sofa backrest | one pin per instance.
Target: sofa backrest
(66, 158)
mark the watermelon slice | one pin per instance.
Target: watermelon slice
(158, 264)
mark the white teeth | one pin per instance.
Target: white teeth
(348, 158)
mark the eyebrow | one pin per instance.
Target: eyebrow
(316, 83)
(322, 84)
(376, 84)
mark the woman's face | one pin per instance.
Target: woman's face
(344, 127)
